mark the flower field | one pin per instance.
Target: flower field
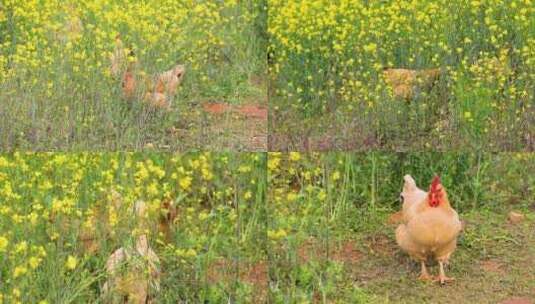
(331, 239)
(62, 217)
(343, 75)
(267, 151)
(66, 66)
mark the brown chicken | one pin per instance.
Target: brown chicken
(405, 82)
(168, 214)
(430, 226)
(159, 89)
(165, 87)
(129, 84)
(133, 274)
(118, 58)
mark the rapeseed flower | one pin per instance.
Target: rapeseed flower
(71, 262)
(3, 243)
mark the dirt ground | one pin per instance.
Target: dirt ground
(245, 125)
(492, 264)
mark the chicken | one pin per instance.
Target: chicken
(410, 197)
(404, 82)
(430, 226)
(129, 84)
(171, 79)
(165, 87)
(95, 227)
(118, 58)
(159, 89)
(133, 273)
(168, 214)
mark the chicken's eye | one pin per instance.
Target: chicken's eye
(401, 198)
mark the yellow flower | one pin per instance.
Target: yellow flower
(185, 182)
(335, 176)
(244, 169)
(276, 234)
(370, 48)
(34, 262)
(273, 161)
(291, 197)
(322, 195)
(203, 215)
(3, 243)
(71, 262)
(16, 292)
(19, 270)
(21, 247)
(191, 253)
(295, 156)
(185, 253)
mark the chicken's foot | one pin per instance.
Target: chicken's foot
(442, 278)
(424, 275)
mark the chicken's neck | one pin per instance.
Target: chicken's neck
(442, 204)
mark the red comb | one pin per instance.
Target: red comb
(435, 183)
(435, 193)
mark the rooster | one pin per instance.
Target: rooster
(430, 226)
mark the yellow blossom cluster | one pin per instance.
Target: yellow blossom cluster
(54, 36)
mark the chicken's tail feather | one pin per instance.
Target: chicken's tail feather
(410, 184)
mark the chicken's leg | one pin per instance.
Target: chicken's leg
(442, 278)
(424, 275)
